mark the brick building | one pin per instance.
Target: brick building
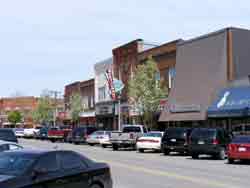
(87, 91)
(25, 105)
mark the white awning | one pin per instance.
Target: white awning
(87, 114)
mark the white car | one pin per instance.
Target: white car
(29, 132)
(150, 141)
(19, 132)
(99, 137)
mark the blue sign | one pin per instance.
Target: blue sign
(118, 85)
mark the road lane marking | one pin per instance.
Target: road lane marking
(196, 180)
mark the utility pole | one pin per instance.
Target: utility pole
(55, 95)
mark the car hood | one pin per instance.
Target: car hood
(5, 177)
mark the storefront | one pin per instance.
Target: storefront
(88, 118)
(204, 67)
(232, 108)
(105, 115)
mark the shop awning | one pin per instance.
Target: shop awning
(231, 102)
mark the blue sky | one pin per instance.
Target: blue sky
(50, 43)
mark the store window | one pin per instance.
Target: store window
(171, 74)
(101, 93)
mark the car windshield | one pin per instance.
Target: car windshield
(6, 134)
(176, 133)
(241, 140)
(131, 129)
(14, 164)
(151, 134)
(204, 133)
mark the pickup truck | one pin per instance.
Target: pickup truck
(128, 137)
(58, 134)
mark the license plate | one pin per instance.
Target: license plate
(173, 140)
(201, 142)
(44, 135)
(242, 149)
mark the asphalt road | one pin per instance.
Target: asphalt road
(153, 170)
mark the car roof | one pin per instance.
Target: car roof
(6, 129)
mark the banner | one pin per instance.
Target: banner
(110, 80)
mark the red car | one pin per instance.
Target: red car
(239, 149)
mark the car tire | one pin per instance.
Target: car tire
(104, 146)
(230, 161)
(76, 143)
(166, 152)
(95, 186)
(222, 154)
(195, 156)
(141, 150)
(115, 147)
(91, 144)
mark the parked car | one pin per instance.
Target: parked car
(9, 146)
(99, 137)
(150, 141)
(58, 133)
(210, 141)
(35, 168)
(175, 140)
(29, 132)
(128, 137)
(105, 140)
(80, 134)
(8, 135)
(19, 132)
(239, 149)
(43, 133)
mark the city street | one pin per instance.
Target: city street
(150, 170)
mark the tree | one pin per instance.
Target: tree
(15, 117)
(145, 91)
(44, 112)
(76, 107)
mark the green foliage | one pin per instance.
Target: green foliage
(15, 117)
(145, 91)
(75, 107)
(44, 111)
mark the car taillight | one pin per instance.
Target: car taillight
(215, 142)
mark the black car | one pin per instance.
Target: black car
(175, 140)
(8, 135)
(209, 141)
(38, 169)
(80, 134)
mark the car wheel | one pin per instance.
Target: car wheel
(91, 144)
(76, 143)
(141, 150)
(222, 154)
(104, 146)
(195, 156)
(95, 186)
(115, 147)
(230, 161)
(166, 152)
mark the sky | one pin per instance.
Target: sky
(46, 44)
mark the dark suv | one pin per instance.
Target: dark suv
(175, 140)
(80, 134)
(209, 141)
